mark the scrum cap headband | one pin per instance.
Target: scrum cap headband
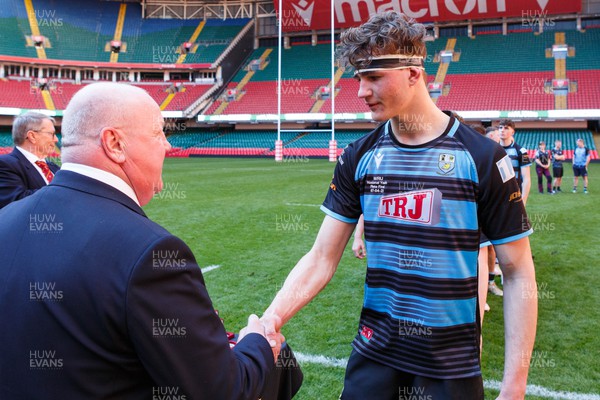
(391, 61)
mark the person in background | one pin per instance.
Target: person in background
(543, 160)
(25, 169)
(102, 302)
(581, 160)
(487, 254)
(518, 155)
(557, 165)
(491, 132)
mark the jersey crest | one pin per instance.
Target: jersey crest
(446, 163)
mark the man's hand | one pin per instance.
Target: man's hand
(272, 326)
(256, 326)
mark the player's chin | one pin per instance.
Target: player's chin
(379, 116)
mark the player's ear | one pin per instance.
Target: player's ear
(415, 75)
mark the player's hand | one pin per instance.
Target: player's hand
(272, 326)
(358, 248)
(511, 393)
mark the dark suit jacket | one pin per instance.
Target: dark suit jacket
(99, 302)
(18, 177)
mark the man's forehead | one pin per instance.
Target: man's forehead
(377, 72)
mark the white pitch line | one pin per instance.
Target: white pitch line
(302, 205)
(209, 268)
(536, 390)
(532, 390)
(323, 360)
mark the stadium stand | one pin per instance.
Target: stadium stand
(497, 91)
(529, 139)
(6, 143)
(304, 70)
(488, 71)
(20, 94)
(80, 31)
(517, 52)
(588, 89)
(516, 80)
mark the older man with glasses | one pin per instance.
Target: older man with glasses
(25, 169)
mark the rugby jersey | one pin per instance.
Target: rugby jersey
(519, 158)
(423, 207)
(556, 163)
(580, 155)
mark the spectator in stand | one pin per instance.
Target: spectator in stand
(557, 165)
(581, 160)
(543, 160)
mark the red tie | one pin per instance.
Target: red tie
(47, 173)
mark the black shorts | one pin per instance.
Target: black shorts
(367, 379)
(579, 170)
(557, 172)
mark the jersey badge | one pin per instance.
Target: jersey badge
(378, 158)
(446, 163)
(366, 333)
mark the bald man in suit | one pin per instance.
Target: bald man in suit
(25, 169)
(96, 300)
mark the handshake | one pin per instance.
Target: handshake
(267, 327)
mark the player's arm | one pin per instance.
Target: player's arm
(310, 275)
(520, 315)
(588, 158)
(358, 245)
(526, 183)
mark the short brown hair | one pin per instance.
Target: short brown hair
(507, 122)
(384, 33)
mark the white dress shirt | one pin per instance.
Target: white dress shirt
(102, 176)
(32, 158)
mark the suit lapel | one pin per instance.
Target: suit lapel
(35, 179)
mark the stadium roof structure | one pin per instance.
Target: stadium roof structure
(206, 9)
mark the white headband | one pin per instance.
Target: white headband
(391, 62)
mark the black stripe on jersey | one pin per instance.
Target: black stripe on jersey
(433, 238)
(441, 353)
(451, 188)
(431, 288)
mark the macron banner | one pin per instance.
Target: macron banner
(300, 15)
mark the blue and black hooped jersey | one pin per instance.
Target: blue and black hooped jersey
(424, 207)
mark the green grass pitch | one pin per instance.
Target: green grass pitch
(256, 218)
